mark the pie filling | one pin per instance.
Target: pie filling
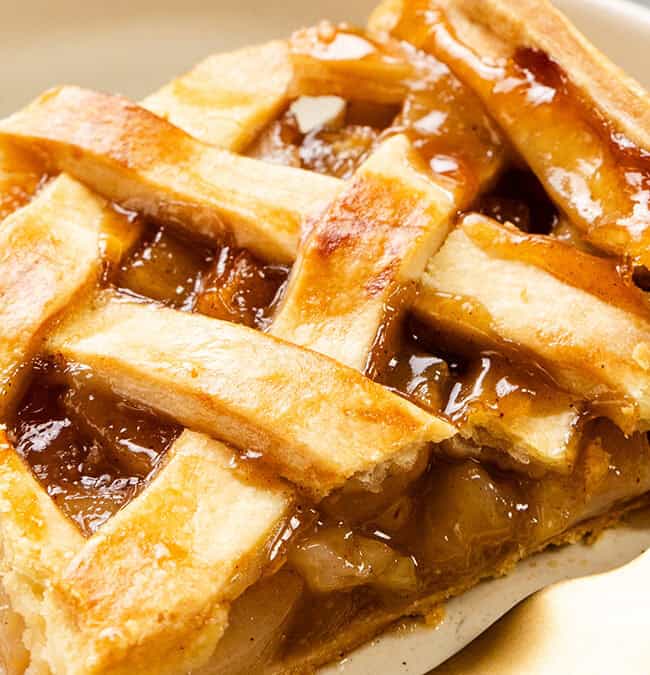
(357, 554)
(472, 506)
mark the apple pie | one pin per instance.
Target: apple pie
(315, 337)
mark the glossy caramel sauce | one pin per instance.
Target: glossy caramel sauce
(240, 288)
(92, 452)
(455, 383)
(449, 127)
(166, 268)
(520, 199)
(598, 175)
(443, 118)
(21, 176)
(332, 149)
(226, 283)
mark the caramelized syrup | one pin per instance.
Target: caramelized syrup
(21, 176)
(166, 268)
(448, 126)
(598, 176)
(242, 289)
(334, 151)
(454, 386)
(520, 199)
(92, 452)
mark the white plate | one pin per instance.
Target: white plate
(136, 45)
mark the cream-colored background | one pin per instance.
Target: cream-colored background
(596, 625)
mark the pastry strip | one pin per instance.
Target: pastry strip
(50, 250)
(211, 544)
(364, 255)
(275, 405)
(594, 337)
(229, 98)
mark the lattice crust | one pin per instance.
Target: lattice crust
(444, 117)
(129, 155)
(26, 573)
(544, 83)
(274, 406)
(152, 595)
(87, 154)
(268, 178)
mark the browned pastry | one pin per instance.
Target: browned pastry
(315, 337)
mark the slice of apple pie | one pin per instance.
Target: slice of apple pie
(315, 337)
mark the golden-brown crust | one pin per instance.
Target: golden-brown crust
(193, 562)
(368, 247)
(21, 174)
(50, 251)
(328, 60)
(36, 541)
(541, 80)
(81, 601)
(229, 98)
(498, 27)
(131, 156)
(538, 24)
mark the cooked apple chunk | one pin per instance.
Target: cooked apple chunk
(335, 559)
(257, 626)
